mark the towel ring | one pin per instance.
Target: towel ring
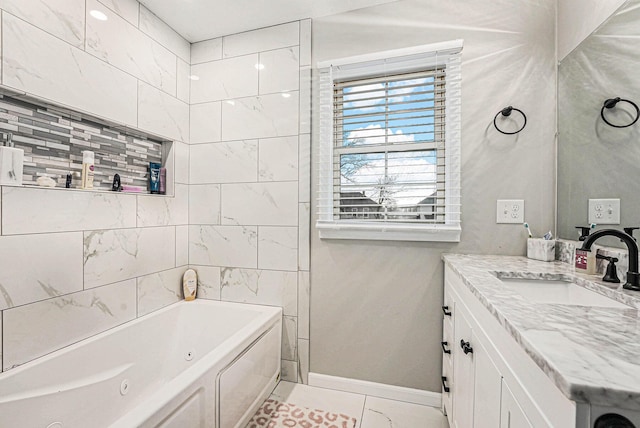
(611, 103)
(507, 112)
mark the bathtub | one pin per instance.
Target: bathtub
(193, 364)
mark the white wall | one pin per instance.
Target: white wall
(75, 263)
(249, 175)
(579, 18)
(375, 307)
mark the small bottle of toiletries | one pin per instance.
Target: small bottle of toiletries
(154, 177)
(189, 284)
(585, 261)
(88, 160)
(11, 163)
(117, 184)
(163, 181)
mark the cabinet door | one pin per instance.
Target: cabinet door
(511, 414)
(463, 373)
(488, 383)
(447, 368)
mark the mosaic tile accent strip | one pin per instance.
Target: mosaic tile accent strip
(53, 143)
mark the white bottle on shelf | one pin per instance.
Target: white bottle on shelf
(88, 160)
(11, 163)
(189, 284)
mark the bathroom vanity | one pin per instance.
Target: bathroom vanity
(534, 344)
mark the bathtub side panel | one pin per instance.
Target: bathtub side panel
(192, 412)
(194, 360)
(245, 384)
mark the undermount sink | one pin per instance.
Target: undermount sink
(559, 291)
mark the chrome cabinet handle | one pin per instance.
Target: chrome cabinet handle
(445, 350)
(466, 347)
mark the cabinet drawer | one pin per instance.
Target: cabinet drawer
(448, 306)
(447, 398)
(447, 341)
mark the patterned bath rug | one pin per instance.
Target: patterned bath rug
(277, 414)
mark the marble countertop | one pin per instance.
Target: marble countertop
(592, 354)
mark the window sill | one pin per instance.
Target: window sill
(388, 232)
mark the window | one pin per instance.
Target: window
(390, 145)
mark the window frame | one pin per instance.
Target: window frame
(366, 66)
(387, 148)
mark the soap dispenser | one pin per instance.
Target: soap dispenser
(11, 163)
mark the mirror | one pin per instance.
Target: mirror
(596, 160)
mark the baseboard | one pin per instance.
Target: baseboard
(391, 392)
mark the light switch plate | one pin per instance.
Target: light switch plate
(510, 211)
(604, 211)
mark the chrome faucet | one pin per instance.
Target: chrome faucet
(633, 277)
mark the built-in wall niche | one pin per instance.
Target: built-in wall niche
(53, 139)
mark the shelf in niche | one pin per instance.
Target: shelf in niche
(99, 191)
(54, 137)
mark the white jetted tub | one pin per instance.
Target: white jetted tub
(193, 364)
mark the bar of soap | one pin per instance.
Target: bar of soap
(46, 182)
(133, 189)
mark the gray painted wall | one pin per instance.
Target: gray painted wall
(375, 305)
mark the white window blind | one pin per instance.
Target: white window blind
(390, 145)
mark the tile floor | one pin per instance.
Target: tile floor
(371, 412)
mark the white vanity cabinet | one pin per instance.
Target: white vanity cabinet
(511, 414)
(492, 382)
(476, 389)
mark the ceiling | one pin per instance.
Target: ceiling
(198, 20)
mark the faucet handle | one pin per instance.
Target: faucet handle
(584, 232)
(608, 258)
(611, 275)
(629, 230)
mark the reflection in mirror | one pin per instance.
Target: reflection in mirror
(596, 160)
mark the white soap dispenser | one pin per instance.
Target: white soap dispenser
(11, 163)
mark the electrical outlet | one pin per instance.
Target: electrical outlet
(510, 211)
(604, 211)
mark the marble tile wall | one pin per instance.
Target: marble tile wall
(75, 263)
(249, 176)
(130, 68)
